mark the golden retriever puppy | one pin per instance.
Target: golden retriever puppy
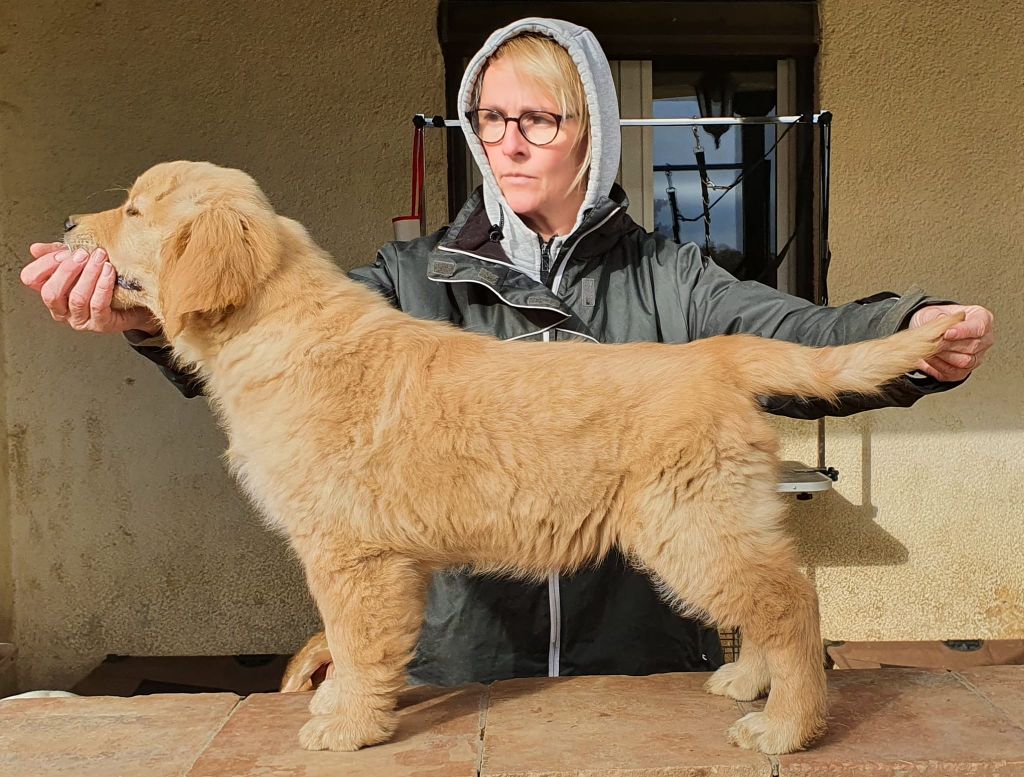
(386, 447)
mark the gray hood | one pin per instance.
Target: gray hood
(520, 243)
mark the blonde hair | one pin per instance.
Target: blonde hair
(548, 66)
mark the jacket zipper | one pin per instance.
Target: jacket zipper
(567, 254)
(555, 643)
(554, 579)
(545, 258)
(554, 609)
(554, 582)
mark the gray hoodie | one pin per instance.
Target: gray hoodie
(520, 243)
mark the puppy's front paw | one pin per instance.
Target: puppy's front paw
(342, 733)
(737, 682)
(746, 732)
(329, 732)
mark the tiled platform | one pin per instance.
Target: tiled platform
(884, 722)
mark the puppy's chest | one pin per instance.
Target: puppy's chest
(288, 478)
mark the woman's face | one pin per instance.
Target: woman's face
(534, 179)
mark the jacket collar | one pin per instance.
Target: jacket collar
(467, 255)
(470, 231)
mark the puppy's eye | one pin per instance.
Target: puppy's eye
(131, 210)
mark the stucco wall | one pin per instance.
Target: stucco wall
(128, 536)
(7, 675)
(923, 535)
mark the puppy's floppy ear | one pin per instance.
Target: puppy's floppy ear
(215, 261)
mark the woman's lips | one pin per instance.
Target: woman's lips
(516, 178)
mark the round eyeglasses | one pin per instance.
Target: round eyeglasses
(538, 127)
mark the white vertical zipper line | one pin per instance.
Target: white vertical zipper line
(555, 647)
(554, 588)
(554, 608)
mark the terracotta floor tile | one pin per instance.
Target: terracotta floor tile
(909, 722)
(662, 725)
(438, 736)
(144, 736)
(1002, 685)
(883, 722)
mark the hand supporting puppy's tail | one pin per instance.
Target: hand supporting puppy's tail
(778, 368)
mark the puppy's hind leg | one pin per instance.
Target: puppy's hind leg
(745, 679)
(729, 559)
(372, 607)
(788, 632)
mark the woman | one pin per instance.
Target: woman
(545, 250)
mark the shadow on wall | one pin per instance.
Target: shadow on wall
(844, 534)
(836, 532)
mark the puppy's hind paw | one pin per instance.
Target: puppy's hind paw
(737, 682)
(758, 731)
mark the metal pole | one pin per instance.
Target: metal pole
(824, 117)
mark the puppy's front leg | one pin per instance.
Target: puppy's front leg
(372, 607)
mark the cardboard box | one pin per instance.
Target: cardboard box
(952, 654)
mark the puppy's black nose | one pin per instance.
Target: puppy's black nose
(70, 223)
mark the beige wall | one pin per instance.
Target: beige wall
(7, 675)
(923, 536)
(128, 537)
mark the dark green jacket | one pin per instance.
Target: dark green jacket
(611, 282)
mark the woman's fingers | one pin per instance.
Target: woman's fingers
(39, 250)
(100, 314)
(974, 347)
(940, 369)
(80, 297)
(38, 271)
(55, 291)
(960, 361)
(78, 288)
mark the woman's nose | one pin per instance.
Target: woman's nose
(513, 143)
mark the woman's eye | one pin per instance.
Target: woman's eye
(131, 210)
(539, 120)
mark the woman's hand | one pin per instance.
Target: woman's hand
(965, 344)
(76, 287)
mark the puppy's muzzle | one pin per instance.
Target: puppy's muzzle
(86, 242)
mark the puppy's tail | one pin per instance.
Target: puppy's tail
(778, 368)
(307, 668)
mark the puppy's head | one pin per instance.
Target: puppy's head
(191, 241)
